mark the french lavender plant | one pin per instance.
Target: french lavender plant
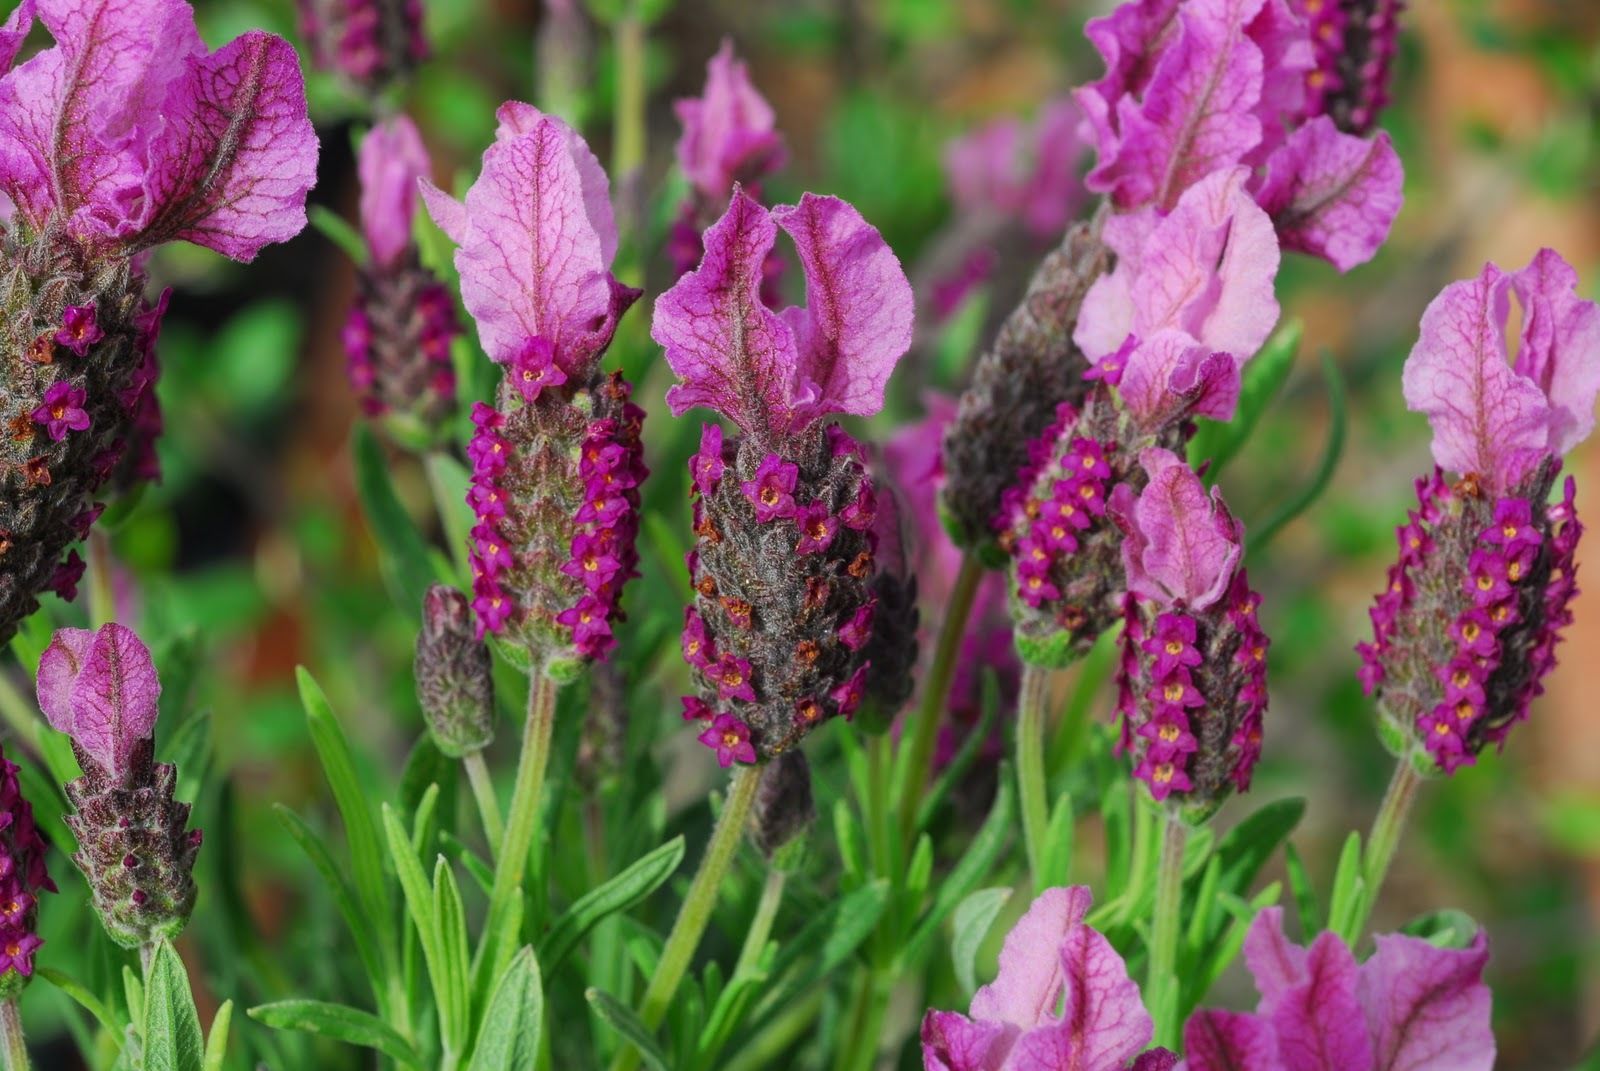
(94, 188)
(557, 460)
(398, 334)
(134, 845)
(729, 139)
(372, 44)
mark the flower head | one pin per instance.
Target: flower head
(729, 133)
(1412, 1004)
(1051, 960)
(773, 374)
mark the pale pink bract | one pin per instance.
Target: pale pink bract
(101, 689)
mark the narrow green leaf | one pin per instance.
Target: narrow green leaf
(1245, 849)
(83, 997)
(357, 921)
(825, 942)
(508, 1038)
(338, 230)
(454, 956)
(976, 863)
(852, 843)
(189, 750)
(482, 873)
(1058, 844)
(172, 1040)
(1262, 534)
(217, 1037)
(407, 566)
(424, 920)
(622, 1019)
(920, 871)
(971, 922)
(1303, 895)
(955, 773)
(449, 479)
(641, 878)
(1347, 885)
(339, 1022)
(133, 993)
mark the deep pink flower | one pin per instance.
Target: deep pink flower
(697, 647)
(1180, 545)
(78, 329)
(228, 166)
(817, 528)
(1491, 418)
(1331, 194)
(535, 240)
(590, 625)
(1412, 1005)
(707, 465)
(771, 491)
(858, 630)
(732, 676)
(101, 689)
(774, 373)
(594, 559)
(68, 572)
(729, 132)
(390, 161)
(61, 410)
(533, 368)
(730, 739)
(848, 695)
(1051, 960)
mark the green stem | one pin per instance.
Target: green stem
(695, 912)
(866, 1032)
(1383, 840)
(776, 1038)
(511, 862)
(936, 691)
(1162, 984)
(483, 792)
(1034, 794)
(755, 938)
(102, 603)
(11, 1043)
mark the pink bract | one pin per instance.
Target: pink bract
(101, 689)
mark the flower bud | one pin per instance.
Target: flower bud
(371, 43)
(784, 809)
(22, 878)
(134, 847)
(455, 681)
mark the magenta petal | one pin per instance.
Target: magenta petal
(1487, 420)
(952, 1042)
(59, 667)
(1332, 194)
(1427, 1007)
(1181, 545)
(448, 213)
(1198, 113)
(1319, 1023)
(731, 353)
(1169, 376)
(14, 32)
(236, 155)
(1029, 984)
(1560, 346)
(391, 161)
(1276, 962)
(533, 259)
(729, 133)
(111, 690)
(857, 321)
(1229, 1041)
(1103, 1023)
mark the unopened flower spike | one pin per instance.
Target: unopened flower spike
(398, 335)
(1466, 628)
(784, 559)
(454, 674)
(92, 187)
(134, 845)
(729, 138)
(1411, 1004)
(1062, 999)
(1192, 674)
(372, 44)
(557, 460)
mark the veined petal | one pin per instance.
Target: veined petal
(1560, 346)
(1216, 1040)
(1319, 1023)
(1331, 194)
(730, 352)
(952, 1042)
(110, 687)
(1487, 420)
(858, 307)
(729, 132)
(391, 161)
(1181, 546)
(1427, 1007)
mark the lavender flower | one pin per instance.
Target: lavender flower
(371, 43)
(1355, 45)
(398, 336)
(1413, 1005)
(94, 187)
(1051, 960)
(1467, 627)
(1192, 681)
(729, 139)
(22, 878)
(776, 634)
(134, 847)
(557, 461)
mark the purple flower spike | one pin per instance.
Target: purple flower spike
(23, 878)
(773, 374)
(100, 688)
(1181, 546)
(1413, 1005)
(729, 133)
(1050, 960)
(391, 161)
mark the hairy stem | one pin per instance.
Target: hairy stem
(695, 912)
(936, 692)
(755, 938)
(511, 861)
(1032, 790)
(1161, 986)
(15, 1049)
(1383, 840)
(483, 793)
